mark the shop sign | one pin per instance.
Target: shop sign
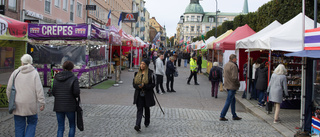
(91, 7)
(128, 43)
(33, 14)
(54, 31)
(3, 26)
(129, 17)
(98, 33)
(3, 96)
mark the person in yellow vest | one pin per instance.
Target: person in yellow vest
(193, 70)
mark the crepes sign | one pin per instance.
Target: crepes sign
(129, 17)
(56, 31)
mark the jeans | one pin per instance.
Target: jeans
(72, 123)
(20, 125)
(159, 82)
(231, 100)
(193, 73)
(199, 68)
(169, 79)
(254, 94)
(185, 63)
(214, 88)
(261, 96)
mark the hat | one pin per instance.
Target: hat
(146, 61)
(26, 59)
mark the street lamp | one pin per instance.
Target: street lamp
(216, 16)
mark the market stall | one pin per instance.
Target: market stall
(13, 41)
(85, 45)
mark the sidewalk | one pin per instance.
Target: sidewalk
(290, 118)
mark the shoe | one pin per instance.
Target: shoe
(196, 84)
(168, 90)
(223, 119)
(137, 128)
(158, 93)
(215, 97)
(173, 91)
(161, 93)
(147, 125)
(188, 83)
(236, 118)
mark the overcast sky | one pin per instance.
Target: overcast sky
(168, 12)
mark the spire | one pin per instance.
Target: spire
(245, 7)
(194, 1)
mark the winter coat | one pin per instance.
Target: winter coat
(160, 67)
(193, 65)
(147, 88)
(170, 68)
(261, 77)
(65, 89)
(219, 71)
(29, 90)
(230, 74)
(277, 85)
(199, 60)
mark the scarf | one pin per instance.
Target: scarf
(138, 79)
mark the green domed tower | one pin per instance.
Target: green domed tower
(194, 8)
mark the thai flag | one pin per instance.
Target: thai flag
(315, 123)
(312, 39)
(109, 19)
(120, 24)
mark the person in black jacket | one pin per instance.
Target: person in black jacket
(199, 63)
(180, 56)
(143, 83)
(215, 76)
(170, 69)
(262, 82)
(65, 90)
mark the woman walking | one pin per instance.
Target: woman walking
(276, 88)
(261, 77)
(65, 91)
(215, 77)
(29, 91)
(143, 83)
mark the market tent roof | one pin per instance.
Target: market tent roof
(312, 39)
(12, 29)
(226, 34)
(229, 43)
(287, 37)
(305, 53)
(249, 41)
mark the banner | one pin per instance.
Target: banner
(11, 29)
(129, 17)
(98, 33)
(57, 31)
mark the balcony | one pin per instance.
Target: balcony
(137, 25)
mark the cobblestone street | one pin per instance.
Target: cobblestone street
(191, 111)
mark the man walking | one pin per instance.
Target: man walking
(199, 63)
(169, 73)
(193, 70)
(232, 84)
(159, 74)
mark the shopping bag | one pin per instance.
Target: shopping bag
(268, 105)
(12, 98)
(221, 87)
(79, 113)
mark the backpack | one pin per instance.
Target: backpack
(215, 74)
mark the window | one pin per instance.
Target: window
(192, 37)
(198, 28)
(72, 10)
(47, 6)
(13, 5)
(65, 5)
(57, 3)
(192, 28)
(211, 19)
(198, 19)
(192, 18)
(207, 28)
(187, 18)
(79, 9)
(187, 28)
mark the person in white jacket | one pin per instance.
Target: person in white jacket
(254, 94)
(159, 74)
(29, 95)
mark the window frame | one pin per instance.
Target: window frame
(72, 10)
(59, 3)
(80, 9)
(50, 9)
(12, 8)
(65, 5)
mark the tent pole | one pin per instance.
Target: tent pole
(269, 66)
(303, 92)
(248, 74)
(110, 48)
(130, 63)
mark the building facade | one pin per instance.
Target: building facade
(197, 22)
(141, 28)
(155, 24)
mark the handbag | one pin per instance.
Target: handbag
(12, 98)
(79, 115)
(176, 74)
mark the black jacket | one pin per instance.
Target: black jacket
(219, 70)
(199, 60)
(65, 89)
(262, 77)
(170, 68)
(147, 88)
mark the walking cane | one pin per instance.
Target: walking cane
(158, 103)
